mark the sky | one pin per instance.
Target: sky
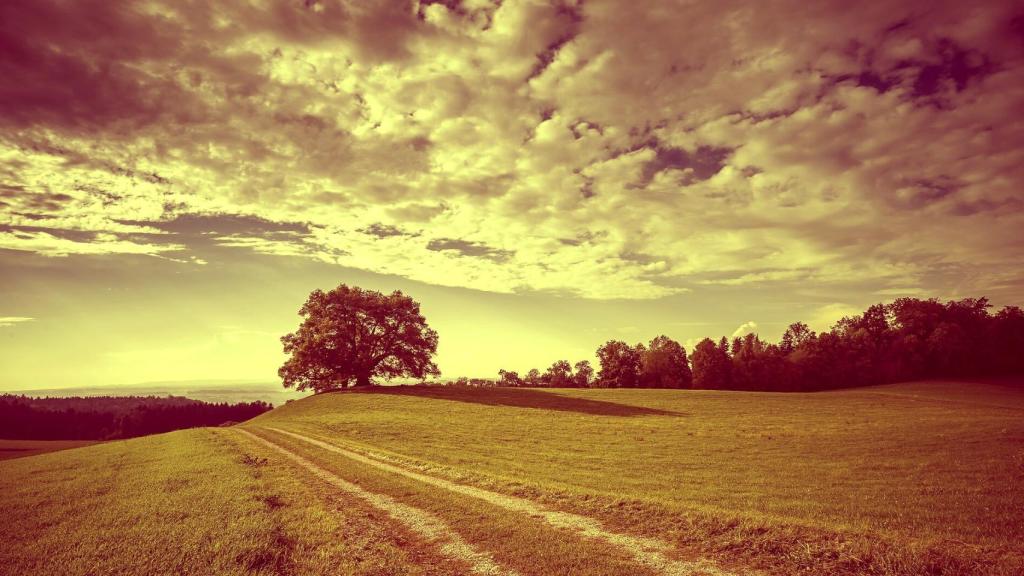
(176, 177)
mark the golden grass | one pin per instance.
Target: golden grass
(920, 478)
(190, 502)
(21, 448)
(515, 539)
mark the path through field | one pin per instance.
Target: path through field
(649, 552)
(426, 525)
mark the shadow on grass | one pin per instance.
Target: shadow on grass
(521, 398)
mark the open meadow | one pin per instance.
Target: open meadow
(918, 478)
(511, 288)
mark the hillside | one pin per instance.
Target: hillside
(920, 478)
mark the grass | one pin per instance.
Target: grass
(514, 539)
(21, 448)
(917, 478)
(190, 502)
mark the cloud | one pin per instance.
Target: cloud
(749, 327)
(6, 321)
(217, 224)
(467, 248)
(382, 230)
(47, 244)
(594, 149)
(287, 245)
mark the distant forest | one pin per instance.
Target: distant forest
(908, 339)
(111, 417)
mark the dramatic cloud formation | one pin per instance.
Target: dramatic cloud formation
(602, 149)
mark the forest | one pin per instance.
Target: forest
(113, 417)
(907, 339)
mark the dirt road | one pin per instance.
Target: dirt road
(652, 553)
(422, 523)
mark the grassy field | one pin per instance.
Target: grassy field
(20, 448)
(920, 478)
(915, 477)
(189, 502)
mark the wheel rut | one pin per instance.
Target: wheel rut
(650, 552)
(424, 524)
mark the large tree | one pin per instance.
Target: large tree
(712, 366)
(664, 365)
(797, 335)
(559, 375)
(350, 337)
(584, 375)
(620, 364)
(509, 378)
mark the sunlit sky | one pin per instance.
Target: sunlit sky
(176, 177)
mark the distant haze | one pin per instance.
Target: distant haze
(206, 390)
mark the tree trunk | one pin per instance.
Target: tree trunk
(363, 380)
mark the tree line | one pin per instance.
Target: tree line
(350, 336)
(112, 417)
(907, 339)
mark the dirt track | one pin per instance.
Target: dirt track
(645, 551)
(424, 524)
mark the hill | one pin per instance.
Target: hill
(920, 478)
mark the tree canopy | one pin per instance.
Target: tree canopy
(906, 339)
(664, 365)
(110, 417)
(351, 337)
(620, 364)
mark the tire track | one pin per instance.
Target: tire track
(649, 552)
(422, 523)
